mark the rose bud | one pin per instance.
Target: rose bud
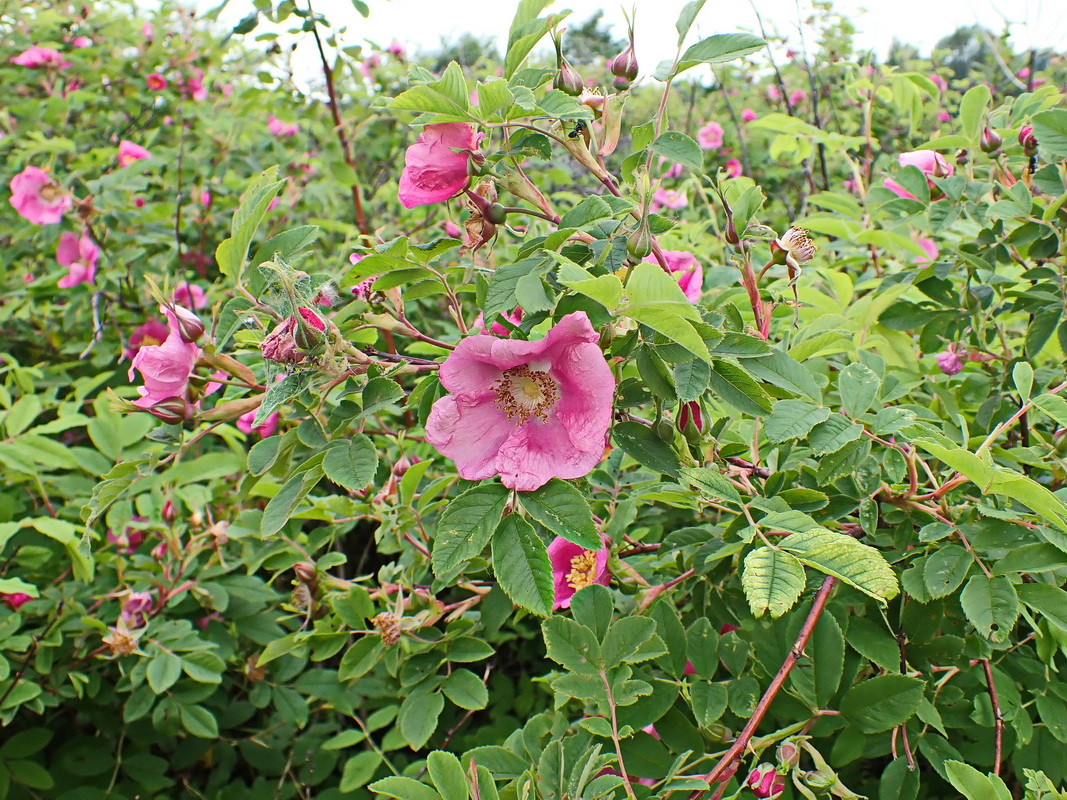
(310, 333)
(624, 65)
(990, 141)
(568, 80)
(189, 325)
(765, 782)
(1028, 140)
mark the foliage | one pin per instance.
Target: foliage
(830, 509)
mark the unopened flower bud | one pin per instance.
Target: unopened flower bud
(1028, 140)
(962, 157)
(818, 780)
(639, 243)
(718, 734)
(765, 782)
(173, 411)
(665, 430)
(624, 65)
(949, 362)
(730, 235)
(169, 513)
(990, 141)
(568, 80)
(306, 573)
(310, 333)
(788, 754)
(621, 83)
(14, 600)
(691, 421)
(189, 325)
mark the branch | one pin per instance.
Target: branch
(997, 716)
(738, 747)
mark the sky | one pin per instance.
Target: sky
(423, 24)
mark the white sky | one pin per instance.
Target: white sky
(422, 24)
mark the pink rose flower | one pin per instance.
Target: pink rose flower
(943, 116)
(435, 167)
(151, 332)
(747, 115)
(930, 248)
(280, 128)
(396, 49)
(734, 168)
(38, 198)
(189, 295)
(40, 58)
(452, 229)
(165, 367)
(765, 782)
(797, 96)
(939, 82)
(929, 162)
(79, 256)
(527, 411)
(669, 198)
(130, 152)
(194, 86)
(148, 30)
(156, 82)
(686, 270)
(81, 42)
(710, 136)
(574, 568)
(15, 600)
(773, 94)
(497, 329)
(265, 430)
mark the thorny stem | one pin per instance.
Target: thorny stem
(342, 137)
(997, 716)
(795, 653)
(903, 727)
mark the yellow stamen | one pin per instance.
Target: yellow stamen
(522, 393)
(583, 570)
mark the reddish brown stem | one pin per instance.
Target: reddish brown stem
(997, 716)
(342, 137)
(739, 746)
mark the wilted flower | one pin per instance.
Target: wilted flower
(527, 411)
(40, 58)
(435, 167)
(686, 270)
(79, 256)
(127, 540)
(709, 137)
(794, 247)
(949, 362)
(130, 152)
(135, 608)
(37, 198)
(120, 642)
(166, 367)
(765, 782)
(574, 568)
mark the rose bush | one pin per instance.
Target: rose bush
(621, 444)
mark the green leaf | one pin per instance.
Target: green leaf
(352, 465)
(840, 555)
(882, 703)
(773, 581)
(571, 645)
(1050, 128)
(591, 209)
(526, 31)
(631, 640)
(404, 789)
(859, 387)
(521, 564)
(782, 370)
(466, 689)
(286, 244)
(973, 108)
(1047, 600)
(1022, 375)
(711, 483)
(17, 586)
(359, 769)
(679, 148)
(720, 48)
(1033, 558)
(447, 775)
(792, 419)
(466, 526)
(945, 569)
(593, 607)
(282, 506)
(563, 510)
(232, 253)
(991, 605)
(734, 385)
(163, 671)
(1054, 406)
(686, 17)
(359, 659)
(833, 434)
(709, 702)
(418, 718)
(973, 785)
(643, 445)
(199, 721)
(691, 379)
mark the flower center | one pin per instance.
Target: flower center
(583, 570)
(522, 393)
(49, 192)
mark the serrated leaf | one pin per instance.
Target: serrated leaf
(563, 510)
(677, 147)
(352, 465)
(840, 555)
(627, 640)
(282, 506)
(404, 789)
(447, 775)
(466, 526)
(881, 703)
(793, 419)
(232, 253)
(418, 717)
(991, 605)
(643, 445)
(466, 689)
(163, 671)
(858, 386)
(571, 645)
(773, 581)
(521, 564)
(1047, 600)
(945, 569)
(833, 434)
(711, 483)
(720, 48)
(731, 383)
